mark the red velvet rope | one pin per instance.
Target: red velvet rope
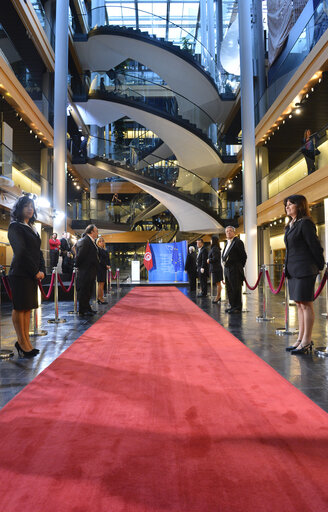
(66, 290)
(7, 286)
(116, 274)
(47, 296)
(321, 286)
(256, 284)
(280, 284)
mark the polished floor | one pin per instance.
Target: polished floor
(309, 373)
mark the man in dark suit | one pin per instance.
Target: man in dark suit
(202, 266)
(234, 258)
(87, 260)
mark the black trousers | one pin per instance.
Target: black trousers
(85, 284)
(192, 281)
(54, 257)
(203, 282)
(233, 277)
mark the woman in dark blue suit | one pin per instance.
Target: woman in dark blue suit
(26, 268)
(304, 260)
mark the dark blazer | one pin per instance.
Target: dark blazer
(103, 262)
(28, 258)
(214, 257)
(190, 265)
(202, 258)
(236, 254)
(87, 257)
(304, 254)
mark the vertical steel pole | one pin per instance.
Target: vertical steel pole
(56, 320)
(264, 317)
(4, 353)
(118, 279)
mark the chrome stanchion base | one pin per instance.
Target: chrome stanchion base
(281, 331)
(321, 351)
(38, 333)
(59, 321)
(6, 354)
(72, 312)
(245, 310)
(265, 319)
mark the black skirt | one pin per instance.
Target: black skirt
(217, 276)
(24, 291)
(101, 275)
(301, 289)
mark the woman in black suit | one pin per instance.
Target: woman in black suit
(304, 260)
(214, 260)
(26, 268)
(104, 265)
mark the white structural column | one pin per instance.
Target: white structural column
(211, 36)
(60, 117)
(203, 32)
(248, 138)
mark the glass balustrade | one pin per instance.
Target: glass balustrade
(165, 30)
(161, 98)
(23, 175)
(308, 37)
(165, 172)
(294, 168)
(45, 23)
(31, 81)
(110, 211)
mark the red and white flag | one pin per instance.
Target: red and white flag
(148, 259)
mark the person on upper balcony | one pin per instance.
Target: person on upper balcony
(309, 150)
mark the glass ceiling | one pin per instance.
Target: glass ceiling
(170, 19)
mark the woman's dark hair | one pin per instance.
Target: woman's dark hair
(17, 211)
(215, 240)
(54, 234)
(303, 209)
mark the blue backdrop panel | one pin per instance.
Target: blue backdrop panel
(166, 257)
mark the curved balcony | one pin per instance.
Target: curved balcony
(107, 45)
(180, 124)
(110, 215)
(194, 202)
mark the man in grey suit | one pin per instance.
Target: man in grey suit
(233, 258)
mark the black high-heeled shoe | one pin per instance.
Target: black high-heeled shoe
(102, 302)
(26, 353)
(303, 350)
(293, 347)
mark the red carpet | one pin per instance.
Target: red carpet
(157, 408)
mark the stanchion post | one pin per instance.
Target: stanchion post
(35, 321)
(245, 292)
(74, 312)
(56, 320)
(282, 331)
(197, 286)
(118, 279)
(326, 313)
(109, 282)
(211, 285)
(4, 353)
(264, 317)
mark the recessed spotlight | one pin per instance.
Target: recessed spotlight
(290, 116)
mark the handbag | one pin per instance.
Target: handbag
(317, 152)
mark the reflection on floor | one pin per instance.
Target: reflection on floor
(308, 373)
